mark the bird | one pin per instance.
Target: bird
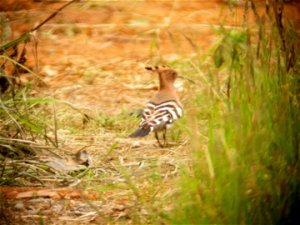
(163, 109)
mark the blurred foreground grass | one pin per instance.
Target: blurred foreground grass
(245, 166)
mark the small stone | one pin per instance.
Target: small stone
(57, 208)
(136, 144)
(19, 206)
(33, 211)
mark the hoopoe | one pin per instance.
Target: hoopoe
(162, 110)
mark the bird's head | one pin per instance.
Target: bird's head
(165, 73)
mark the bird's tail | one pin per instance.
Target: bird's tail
(141, 132)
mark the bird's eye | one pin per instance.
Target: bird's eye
(148, 68)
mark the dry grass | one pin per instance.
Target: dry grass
(93, 56)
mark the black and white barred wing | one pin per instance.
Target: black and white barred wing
(144, 128)
(157, 117)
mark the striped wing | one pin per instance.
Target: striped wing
(158, 116)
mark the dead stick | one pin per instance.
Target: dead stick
(26, 35)
(52, 15)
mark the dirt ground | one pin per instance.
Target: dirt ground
(93, 55)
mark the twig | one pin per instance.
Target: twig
(10, 116)
(27, 35)
(55, 126)
(51, 16)
(23, 67)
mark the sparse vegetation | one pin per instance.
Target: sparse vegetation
(233, 157)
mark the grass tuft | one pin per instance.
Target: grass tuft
(245, 166)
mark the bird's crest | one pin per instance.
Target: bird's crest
(157, 68)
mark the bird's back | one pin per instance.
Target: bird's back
(162, 110)
(158, 115)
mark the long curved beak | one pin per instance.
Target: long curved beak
(186, 78)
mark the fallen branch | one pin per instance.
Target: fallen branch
(26, 35)
(52, 16)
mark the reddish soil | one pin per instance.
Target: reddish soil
(93, 55)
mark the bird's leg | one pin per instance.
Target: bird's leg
(165, 137)
(156, 136)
